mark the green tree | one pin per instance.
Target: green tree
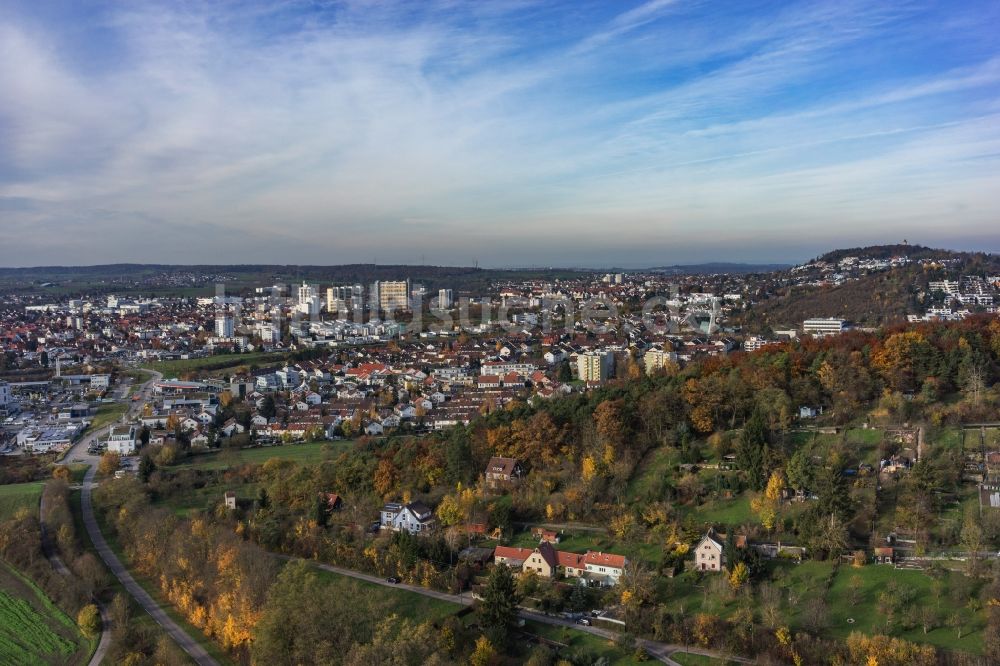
(800, 469)
(752, 451)
(498, 609)
(146, 468)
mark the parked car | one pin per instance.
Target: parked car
(584, 621)
(392, 579)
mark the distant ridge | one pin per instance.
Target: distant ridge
(716, 268)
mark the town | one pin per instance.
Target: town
(567, 449)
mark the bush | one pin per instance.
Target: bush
(89, 620)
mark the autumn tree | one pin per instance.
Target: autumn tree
(89, 621)
(110, 462)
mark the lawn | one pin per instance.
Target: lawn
(32, 629)
(688, 659)
(19, 496)
(204, 499)
(734, 511)
(647, 481)
(404, 603)
(304, 453)
(171, 369)
(596, 646)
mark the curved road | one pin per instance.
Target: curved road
(77, 454)
(661, 651)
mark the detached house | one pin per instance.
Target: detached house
(709, 553)
(415, 517)
(542, 560)
(503, 472)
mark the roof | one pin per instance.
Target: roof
(420, 510)
(511, 553)
(499, 465)
(567, 559)
(604, 559)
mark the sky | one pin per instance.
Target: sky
(513, 133)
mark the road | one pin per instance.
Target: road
(79, 454)
(662, 651)
(60, 567)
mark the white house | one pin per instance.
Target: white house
(122, 440)
(415, 517)
(709, 555)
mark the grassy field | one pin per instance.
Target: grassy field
(305, 453)
(19, 496)
(108, 413)
(171, 369)
(32, 629)
(876, 579)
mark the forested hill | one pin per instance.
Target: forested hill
(865, 296)
(871, 300)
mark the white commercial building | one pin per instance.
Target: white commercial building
(824, 326)
(122, 440)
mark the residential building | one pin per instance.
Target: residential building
(503, 472)
(393, 296)
(657, 359)
(5, 396)
(595, 366)
(603, 568)
(543, 560)
(415, 517)
(224, 327)
(709, 553)
(122, 440)
(445, 298)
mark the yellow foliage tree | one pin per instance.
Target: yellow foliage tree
(484, 653)
(739, 576)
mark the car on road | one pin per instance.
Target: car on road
(392, 579)
(584, 621)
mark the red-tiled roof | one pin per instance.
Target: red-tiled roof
(604, 559)
(512, 553)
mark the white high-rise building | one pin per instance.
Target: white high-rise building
(224, 325)
(445, 298)
(5, 395)
(309, 302)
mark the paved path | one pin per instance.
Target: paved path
(60, 567)
(78, 454)
(662, 651)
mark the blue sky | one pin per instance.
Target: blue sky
(509, 133)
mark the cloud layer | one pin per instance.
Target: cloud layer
(512, 133)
